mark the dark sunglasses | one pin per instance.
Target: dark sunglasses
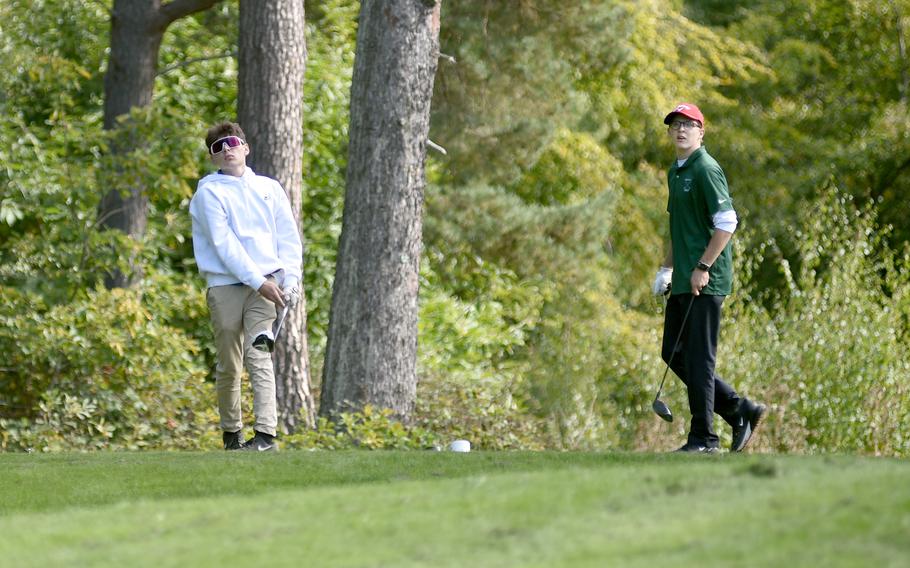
(228, 141)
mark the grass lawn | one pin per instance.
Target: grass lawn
(399, 509)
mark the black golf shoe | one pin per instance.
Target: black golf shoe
(261, 443)
(232, 440)
(689, 448)
(747, 418)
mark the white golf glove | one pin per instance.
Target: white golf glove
(291, 295)
(662, 281)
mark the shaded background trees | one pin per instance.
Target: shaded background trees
(137, 29)
(542, 228)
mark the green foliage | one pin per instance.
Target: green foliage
(877, 165)
(513, 84)
(369, 429)
(577, 346)
(829, 351)
(574, 168)
(197, 76)
(331, 36)
(640, 236)
(54, 246)
(51, 56)
(668, 58)
(544, 222)
(100, 372)
(471, 384)
(833, 105)
(530, 240)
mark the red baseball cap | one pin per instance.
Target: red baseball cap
(688, 110)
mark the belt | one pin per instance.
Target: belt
(272, 275)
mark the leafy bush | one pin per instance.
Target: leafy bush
(514, 270)
(829, 352)
(471, 384)
(572, 169)
(370, 428)
(101, 372)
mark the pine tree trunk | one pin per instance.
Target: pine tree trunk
(371, 355)
(270, 110)
(137, 28)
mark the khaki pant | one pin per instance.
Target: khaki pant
(239, 314)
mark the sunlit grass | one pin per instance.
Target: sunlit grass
(444, 509)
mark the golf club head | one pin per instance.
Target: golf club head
(264, 343)
(661, 409)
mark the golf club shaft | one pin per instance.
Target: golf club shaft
(682, 327)
(284, 314)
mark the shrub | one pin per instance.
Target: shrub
(370, 428)
(100, 372)
(474, 316)
(574, 369)
(829, 351)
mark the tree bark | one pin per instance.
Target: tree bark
(904, 86)
(371, 355)
(272, 58)
(137, 28)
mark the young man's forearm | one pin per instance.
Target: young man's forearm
(716, 246)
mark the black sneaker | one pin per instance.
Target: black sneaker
(748, 417)
(688, 448)
(232, 440)
(261, 443)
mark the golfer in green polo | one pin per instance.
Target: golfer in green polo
(698, 272)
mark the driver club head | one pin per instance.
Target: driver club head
(661, 409)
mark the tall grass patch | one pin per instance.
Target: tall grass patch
(828, 349)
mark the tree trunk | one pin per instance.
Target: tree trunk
(371, 355)
(137, 28)
(270, 109)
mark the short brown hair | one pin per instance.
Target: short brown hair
(221, 130)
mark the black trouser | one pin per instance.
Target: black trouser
(694, 363)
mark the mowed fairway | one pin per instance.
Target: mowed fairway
(338, 509)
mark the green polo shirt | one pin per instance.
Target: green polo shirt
(698, 190)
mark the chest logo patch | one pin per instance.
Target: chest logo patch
(687, 185)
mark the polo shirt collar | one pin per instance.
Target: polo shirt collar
(693, 157)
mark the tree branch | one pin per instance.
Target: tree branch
(177, 9)
(902, 50)
(188, 62)
(107, 215)
(436, 147)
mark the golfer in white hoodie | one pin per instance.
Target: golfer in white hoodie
(248, 249)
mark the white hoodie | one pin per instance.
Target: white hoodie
(243, 230)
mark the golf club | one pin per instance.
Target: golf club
(659, 406)
(263, 342)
